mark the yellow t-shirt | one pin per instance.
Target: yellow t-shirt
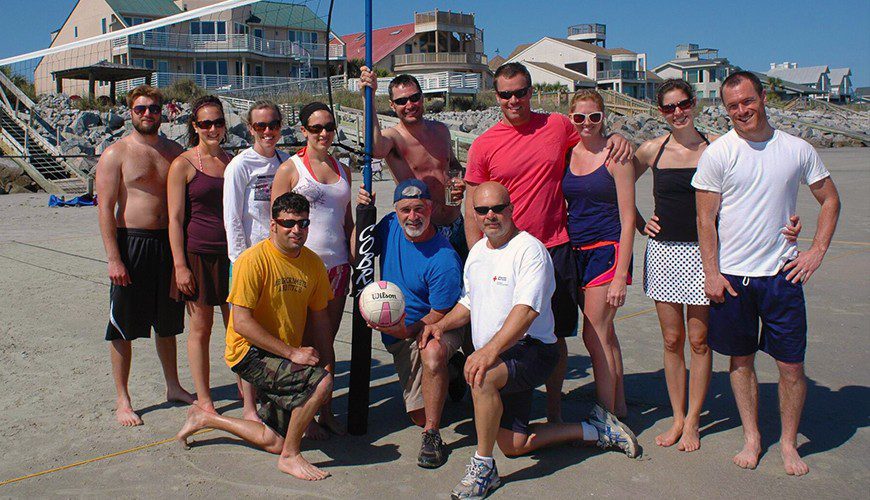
(280, 290)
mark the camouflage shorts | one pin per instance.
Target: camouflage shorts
(281, 385)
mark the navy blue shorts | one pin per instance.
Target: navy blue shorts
(777, 302)
(564, 302)
(529, 363)
(596, 263)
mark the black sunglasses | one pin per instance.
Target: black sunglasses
(496, 209)
(291, 223)
(154, 109)
(262, 126)
(401, 101)
(318, 128)
(685, 105)
(594, 117)
(519, 93)
(207, 124)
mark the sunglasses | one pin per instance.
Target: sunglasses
(685, 105)
(291, 223)
(318, 128)
(496, 209)
(154, 109)
(262, 126)
(401, 101)
(594, 117)
(519, 93)
(207, 124)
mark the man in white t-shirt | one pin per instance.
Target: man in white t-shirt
(508, 284)
(749, 179)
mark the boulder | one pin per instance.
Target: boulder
(9, 170)
(113, 121)
(84, 121)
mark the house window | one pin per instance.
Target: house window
(315, 72)
(211, 67)
(143, 63)
(691, 75)
(240, 29)
(76, 31)
(302, 36)
(700, 94)
(712, 94)
(163, 66)
(133, 21)
(103, 24)
(217, 28)
(581, 67)
(600, 66)
(409, 49)
(258, 33)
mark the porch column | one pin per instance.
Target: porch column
(112, 96)
(92, 85)
(58, 82)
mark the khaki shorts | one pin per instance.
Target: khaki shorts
(409, 365)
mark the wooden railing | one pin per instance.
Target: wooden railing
(438, 58)
(223, 42)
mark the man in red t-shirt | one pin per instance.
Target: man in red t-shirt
(525, 152)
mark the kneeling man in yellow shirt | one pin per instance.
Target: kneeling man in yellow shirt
(277, 285)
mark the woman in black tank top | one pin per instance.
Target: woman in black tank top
(673, 275)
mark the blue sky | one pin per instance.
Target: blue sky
(751, 34)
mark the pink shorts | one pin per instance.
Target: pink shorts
(339, 279)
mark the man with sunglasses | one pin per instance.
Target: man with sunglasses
(509, 283)
(525, 152)
(421, 262)
(418, 149)
(279, 296)
(134, 217)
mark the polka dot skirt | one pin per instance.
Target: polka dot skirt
(672, 272)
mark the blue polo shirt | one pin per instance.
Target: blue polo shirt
(429, 273)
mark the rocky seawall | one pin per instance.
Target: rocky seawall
(89, 133)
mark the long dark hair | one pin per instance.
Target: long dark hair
(674, 84)
(206, 100)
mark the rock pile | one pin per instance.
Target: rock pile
(643, 127)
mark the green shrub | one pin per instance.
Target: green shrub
(184, 90)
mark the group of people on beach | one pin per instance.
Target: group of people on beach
(491, 293)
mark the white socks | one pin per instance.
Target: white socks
(489, 460)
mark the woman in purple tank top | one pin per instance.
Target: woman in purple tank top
(197, 237)
(600, 198)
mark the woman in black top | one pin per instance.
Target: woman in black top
(673, 275)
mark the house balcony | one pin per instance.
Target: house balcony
(437, 20)
(208, 82)
(620, 74)
(439, 61)
(587, 29)
(216, 43)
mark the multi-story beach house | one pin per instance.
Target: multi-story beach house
(832, 84)
(582, 59)
(436, 41)
(702, 67)
(260, 44)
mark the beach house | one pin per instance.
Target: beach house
(260, 44)
(582, 60)
(701, 67)
(832, 84)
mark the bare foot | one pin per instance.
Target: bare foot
(299, 467)
(794, 466)
(332, 424)
(125, 415)
(316, 432)
(691, 439)
(179, 395)
(670, 436)
(196, 418)
(748, 456)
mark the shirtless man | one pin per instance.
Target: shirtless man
(418, 148)
(131, 182)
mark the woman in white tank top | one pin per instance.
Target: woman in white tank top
(315, 174)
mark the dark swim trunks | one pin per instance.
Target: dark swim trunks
(281, 385)
(144, 303)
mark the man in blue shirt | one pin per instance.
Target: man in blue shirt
(423, 264)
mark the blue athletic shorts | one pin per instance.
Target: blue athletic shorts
(596, 264)
(778, 303)
(529, 363)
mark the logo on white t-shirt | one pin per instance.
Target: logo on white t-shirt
(500, 280)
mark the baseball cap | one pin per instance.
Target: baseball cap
(411, 188)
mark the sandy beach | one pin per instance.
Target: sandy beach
(58, 397)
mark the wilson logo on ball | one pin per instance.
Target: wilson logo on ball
(382, 304)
